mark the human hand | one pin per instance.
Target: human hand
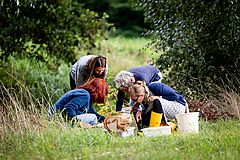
(151, 99)
(135, 107)
(139, 116)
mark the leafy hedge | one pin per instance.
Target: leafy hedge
(60, 27)
(200, 38)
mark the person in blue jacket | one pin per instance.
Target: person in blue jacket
(77, 103)
(159, 98)
(124, 79)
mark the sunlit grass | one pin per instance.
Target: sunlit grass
(29, 135)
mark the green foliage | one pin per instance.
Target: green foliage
(200, 40)
(59, 27)
(110, 103)
(129, 21)
(35, 76)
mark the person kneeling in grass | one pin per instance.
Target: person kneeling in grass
(77, 103)
(158, 102)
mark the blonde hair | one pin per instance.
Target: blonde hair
(138, 89)
(124, 79)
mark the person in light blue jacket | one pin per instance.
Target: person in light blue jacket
(87, 68)
(159, 98)
(77, 103)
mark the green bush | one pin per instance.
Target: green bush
(122, 14)
(58, 26)
(36, 77)
(200, 39)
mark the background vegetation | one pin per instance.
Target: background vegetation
(200, 41)
(194, 43)
(57, 27)
(128, 20)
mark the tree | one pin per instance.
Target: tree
(58, 26)
(128, 20)
(200, 40)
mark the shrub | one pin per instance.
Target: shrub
(200, 39)
(58, 26)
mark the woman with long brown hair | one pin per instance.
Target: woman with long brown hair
(77, 103)
(87, 68)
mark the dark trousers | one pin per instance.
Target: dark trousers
(157, 107)
(72, 83)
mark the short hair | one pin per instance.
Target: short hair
(97, 89)
(124, 79)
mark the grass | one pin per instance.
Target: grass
(218, 140)
(28, 135)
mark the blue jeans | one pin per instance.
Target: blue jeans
(88, 118)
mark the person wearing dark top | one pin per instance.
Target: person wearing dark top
(125, 79)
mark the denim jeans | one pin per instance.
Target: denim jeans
(88, 118)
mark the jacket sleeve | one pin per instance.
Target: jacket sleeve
(120, 98)
(80, 75)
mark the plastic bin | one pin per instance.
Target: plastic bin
(128, 133)
(156, 131)
(126, 110)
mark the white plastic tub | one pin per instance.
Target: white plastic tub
(156, 131)
(188, 122)
(128, 133)
(126, 110)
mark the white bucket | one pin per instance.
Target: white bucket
(188, 122)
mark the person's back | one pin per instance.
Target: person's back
(146, 73)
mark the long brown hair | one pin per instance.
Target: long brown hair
(94, 62)
(97, 89)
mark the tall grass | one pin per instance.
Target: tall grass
(27, 134)
(227, 97)
(19, 112)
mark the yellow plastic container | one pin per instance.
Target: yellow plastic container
(155, 119)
